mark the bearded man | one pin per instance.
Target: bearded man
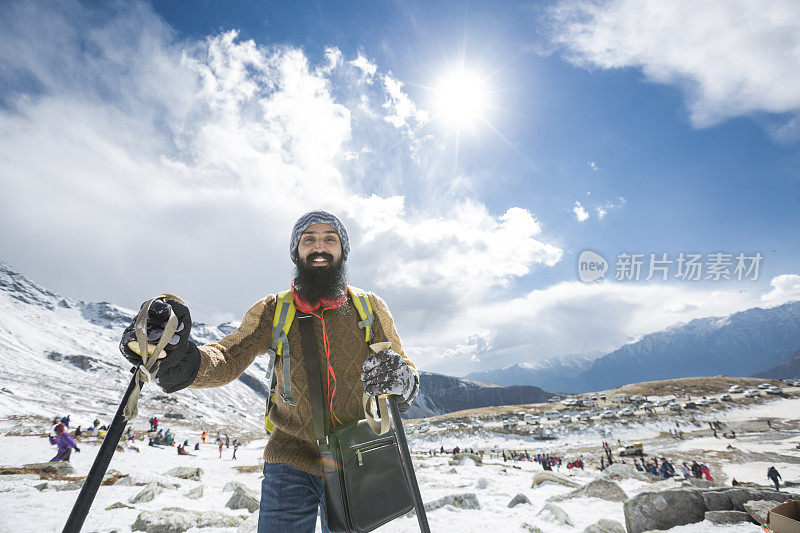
(292, 490)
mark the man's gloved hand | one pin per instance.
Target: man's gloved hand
(386, 372)
(180, 363)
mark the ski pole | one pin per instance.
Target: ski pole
(408, 466)
(100, 465)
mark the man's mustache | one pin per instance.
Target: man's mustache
(323, 255)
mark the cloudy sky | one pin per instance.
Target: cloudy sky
(473, 149)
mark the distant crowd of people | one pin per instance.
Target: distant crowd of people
(65, 441)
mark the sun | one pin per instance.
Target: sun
(460, 99)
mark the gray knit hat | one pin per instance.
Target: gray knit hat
(318, 217)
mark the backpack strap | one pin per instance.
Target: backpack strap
(364, 308)
(281, 322)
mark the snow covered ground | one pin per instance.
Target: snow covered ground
(495, 483)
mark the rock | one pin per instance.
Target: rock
(727, 517)
(605, 526)
(119, 505)
(175, 520)
(125, 481)
(543, 477)
(717, 501)
(461, 501)
(147, 494)
(243, 498)
(186, 472)
(167, 485)
(233, 485)
(556, 513)
(529, 528)
(59, 486)
(700, 483)
(482, 483)
(663, 510)
(196, 493)
(623, 471)
(460, 458)
(598, 488)
(250, 525)
(518, 499)
(61, 468)
(759, 509)
(452, 471)
(739, 496)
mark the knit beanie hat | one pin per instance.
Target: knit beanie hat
(318, 217)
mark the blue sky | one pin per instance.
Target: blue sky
(199, 131)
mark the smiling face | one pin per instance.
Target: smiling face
(319, 246)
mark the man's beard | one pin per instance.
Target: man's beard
(318, 283)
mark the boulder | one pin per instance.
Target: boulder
(60, 468)
(461, 501)
(555, 513)
(168, 485)
(598, 488)
(717, 501)
(233, 485)
(147, 494)
(125, 480)
(700, 483)
(529, 528)
(727, 517)
(243, 498)
(624, 471)
(605, 526)
(119, 505)
(663, 510)
(543, 477)
(175, 520)
(739, 496)
(759, 509)
(462, 458)
(186, 472)
(250, 525)
(196, 493)
(47, 485)
(518, 499)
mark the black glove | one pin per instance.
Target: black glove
(78, 450)
(178, 368)
(386, 372)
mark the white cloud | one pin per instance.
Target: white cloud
(580, 213)
(785, 288)
(401, 108)
(593, 166)
(367, 68)
(730, 57)
(602, 210)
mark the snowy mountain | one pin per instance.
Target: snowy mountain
(553, 374)
(60, 356)
(740, 344)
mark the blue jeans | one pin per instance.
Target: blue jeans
(290, 499)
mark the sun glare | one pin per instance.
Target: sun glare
(460, 99)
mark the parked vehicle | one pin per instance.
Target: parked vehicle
(735, 388)
(586, 415)
(646, 405)
(608, 414)
(689, 405)
(764, 385)
(628, 411)
(631, 449)
(726, 397)
(752, 393)
(620, 398)
(602, 397)
(530, 419)
(704, 402)
(566, 418)
(774, 390)
(551, 415)
(713, 400)
(637, 398)
(674, 406)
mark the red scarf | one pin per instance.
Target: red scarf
(317, 309)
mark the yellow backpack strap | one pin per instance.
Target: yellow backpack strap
(364, 308)
(281, 322)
